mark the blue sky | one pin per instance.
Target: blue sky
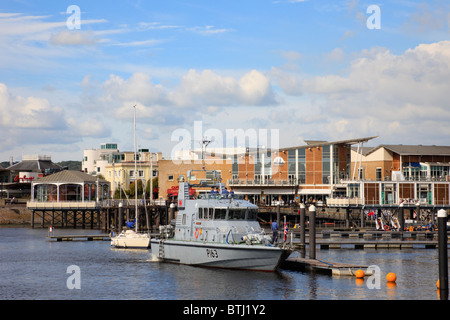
(311, 69)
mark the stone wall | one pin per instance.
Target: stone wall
(14, 214)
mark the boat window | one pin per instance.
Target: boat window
(211, 213)
(220, 214)
(252, 214)
(184, 219)
(205, 213)
(236, 214)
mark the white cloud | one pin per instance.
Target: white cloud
(400, 96)
(29, 112)
(90, 127)
(156, 26)
(210, 89)
(139, 87)
(69, 37)
(142, 43)
(209, 30)
(197, 90)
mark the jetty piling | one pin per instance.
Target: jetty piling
(312, 232)
(302, 229)
(443, 260)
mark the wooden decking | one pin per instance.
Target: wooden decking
(92, 237)
(333, 268)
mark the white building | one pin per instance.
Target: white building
(95, 160)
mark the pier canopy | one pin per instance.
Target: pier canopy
(68, 186)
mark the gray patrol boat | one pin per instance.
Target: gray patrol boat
(217, 230)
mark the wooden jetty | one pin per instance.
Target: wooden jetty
(103, 215)
(91, 237)
(333, 268)
(376, 244)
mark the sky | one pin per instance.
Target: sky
(71, 72)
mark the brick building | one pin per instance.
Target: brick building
(291, 174)
(394, 174)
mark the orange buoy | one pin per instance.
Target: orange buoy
(437, 284)
(391, 277)
(359, 273)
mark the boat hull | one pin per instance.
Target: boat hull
(131, 241)
(228, 256)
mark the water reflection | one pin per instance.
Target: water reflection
(34, 268)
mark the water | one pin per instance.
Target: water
(32, 267)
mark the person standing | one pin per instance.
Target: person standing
(274, 231)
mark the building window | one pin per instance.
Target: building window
(170, 177)
(131, 173)
(378, 174)
(235, 165)
(326, 165)
(301, 161)
(360, 173)
(353, 190)
(141, 173)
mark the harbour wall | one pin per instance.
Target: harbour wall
(14, 214)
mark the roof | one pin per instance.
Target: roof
(34, 165)
(71, 176)
(309, 144)
(406, 150)
(312, 143)
(364, 150)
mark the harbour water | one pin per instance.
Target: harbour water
(34, 268)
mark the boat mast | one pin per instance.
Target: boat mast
(135, 172)
(205, 143)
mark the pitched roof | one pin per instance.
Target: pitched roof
(317, 143)
(70, 176)
(34, 165)
(406, 150)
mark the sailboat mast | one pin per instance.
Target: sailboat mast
(135, 172)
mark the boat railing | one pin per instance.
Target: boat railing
(217, 196)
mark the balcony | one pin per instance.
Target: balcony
(343, 202)
(67, 205)
(260, 182)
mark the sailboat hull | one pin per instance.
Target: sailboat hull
(131, 240)
(228, 256)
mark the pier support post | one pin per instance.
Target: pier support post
(302, 228)
(120, 222)
(32, 219)
(278, 214)
(443, 260)
(401, 217)
(83, 219)
(312, 232)
(347, 217)
(362, 217)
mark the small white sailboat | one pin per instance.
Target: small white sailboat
(132, 238)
